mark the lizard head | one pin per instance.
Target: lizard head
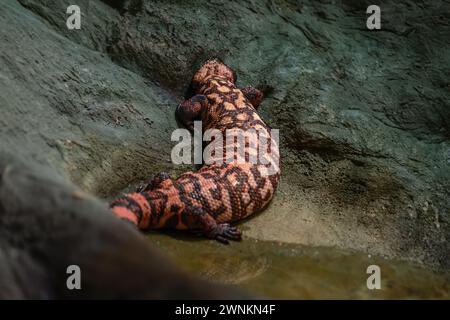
(212, 67)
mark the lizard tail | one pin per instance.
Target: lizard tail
(134, 208)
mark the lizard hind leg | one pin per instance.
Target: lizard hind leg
(198, 220)
(159, 181)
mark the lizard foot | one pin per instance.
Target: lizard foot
(203, 223)
(156, 182)
(224, 232)
(142, 187)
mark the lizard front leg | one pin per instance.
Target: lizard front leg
(161, 180)
(190, 110)
(253, 95)
(198, 219)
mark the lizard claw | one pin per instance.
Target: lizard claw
(225, 232)
(141, 188)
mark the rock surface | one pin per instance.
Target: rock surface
(363, 115)
(48, 225)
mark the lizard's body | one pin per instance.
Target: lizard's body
(218, 193)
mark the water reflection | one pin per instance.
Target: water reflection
(278, 270)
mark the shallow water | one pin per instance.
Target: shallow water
(279, 270)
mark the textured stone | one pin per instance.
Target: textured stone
(363, 115)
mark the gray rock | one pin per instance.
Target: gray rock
(363, 115)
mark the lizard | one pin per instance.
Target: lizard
(219, 194)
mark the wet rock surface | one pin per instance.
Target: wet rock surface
(363, 116)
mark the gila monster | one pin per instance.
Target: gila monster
(218, 194)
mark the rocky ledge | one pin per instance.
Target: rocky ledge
(363, 118)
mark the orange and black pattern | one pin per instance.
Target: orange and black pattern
(221, 192)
